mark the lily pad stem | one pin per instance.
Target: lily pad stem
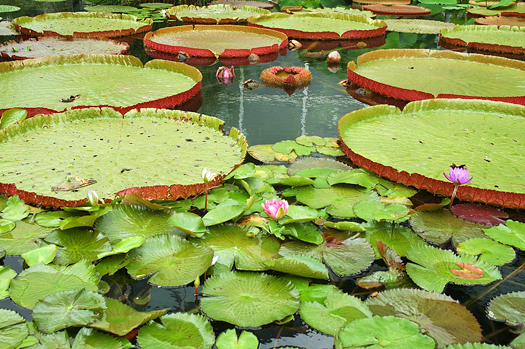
(456, 185)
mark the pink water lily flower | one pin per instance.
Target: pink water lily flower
(276, 209)
(225, 75)
(458, 175)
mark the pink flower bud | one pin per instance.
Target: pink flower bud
(276, 209)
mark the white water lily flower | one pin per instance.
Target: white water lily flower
(207, 175)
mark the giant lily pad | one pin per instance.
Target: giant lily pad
(45, 46)
(435, 268)
(327, 26)
(216, 41)
(213, 14)
(423, 74)
(81, 24)
(397, 10)
(513, 10)
(419, 26)
(73, 81)
(444, 319)
(424, 128)
(173, 260)
(485, 37)
(248, 299)
(501, 20)
(137, 158)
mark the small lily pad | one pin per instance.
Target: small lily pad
(382, 332)
(222, 214)
(229, 340)
(487, 250)
(44, 254)
(188, 222)
(9, 8)
(25, 237)
(12, 116)
(78, 244)
(173, 260)
(88, 338)
(300, 265)
(178, 330)
(509, 307)
(511, 233)
(395, 236)
(6, 275)
(479, 214)
(248, 299)
(16, 209)
(336, 310)
(13, 329)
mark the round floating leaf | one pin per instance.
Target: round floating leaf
(121, 319)
(442, 317)
(126, 221)
(397, 237)
(13, 328)
(25, 237)
(173, 260)
(298, 214)
(304, 232)
(39, 281)
(356, 176)
(6, 275)
(125, 245)
(509, 307)
(234, 244)
(228, 340)
(397, 136)
(81, 24)
(44, 254)
(188, 222)
(337, 310)
(479, 214)
(78, 244)
(68, 308)
(338, 200)
(419, 26)
(112, 264)
(9, 8)
(110, 8)
(215, 41)
(325, 26)
(345, 254)
(88, 338)
(177, 330)
(213, 14)
(512, 10)
(437, 267)
(344, 225)
(484, 37)
(288, 146)
(248, 299)
(6, 225)
(222, 214)
(512, 233)
(382, 332)
(487, 250)
(477, 346)
(11, 116)
(302, 165)
(16, 209)
(64, 46)
(441, 225)
(304, 266)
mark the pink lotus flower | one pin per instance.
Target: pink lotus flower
(458, 175)
(276, 209)
(225, 75)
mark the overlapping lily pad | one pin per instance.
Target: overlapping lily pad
(75, 81)
(512, 10)
(489, 38)
(46, 46)
(419, 26)
(397, 10)
(423, 74)
(134, 153)
(325, 26)
(81, 24)
(216, 41)
(213, 14)
(456, 123)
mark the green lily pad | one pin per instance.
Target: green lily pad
(248, 300)
(344, 253)
(509, 307)
(356, 176)
(492, 38)
(124, 246)
(286, 147)
(265, 153)
(39, 281)
(344, 225)
(298, 213)
(112, 264)
(304, 232)
(487, 250)
(296, 181)
(59, 340)
(511, 233)
(173, 260)
(6, 275)
(44, 254)
(13, 329)
(222, 214)
(440, 226)
(25, 237)
(304, 266)
(234, 244)
(78, 244)
(110, 8)
(338, 200)
(419, 26)
(81, 24)
(121, 319)
(12, 116)
(336, 310)
(126, 221)
(88, 338)
(229, 340)
(329, 25)
(454, 122)
(68, 308)
(9, 8)
(435, 268)
(512, 10)
(397, 237)
(213, 14)
(477, 346)
(443, 318)
(382, 332)
(16, 209)
(6, 225)
(188, 222)
(177, 330)
(304, 164)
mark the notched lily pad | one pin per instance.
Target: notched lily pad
(213, 14)
(509, 307)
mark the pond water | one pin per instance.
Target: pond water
(268, 115)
